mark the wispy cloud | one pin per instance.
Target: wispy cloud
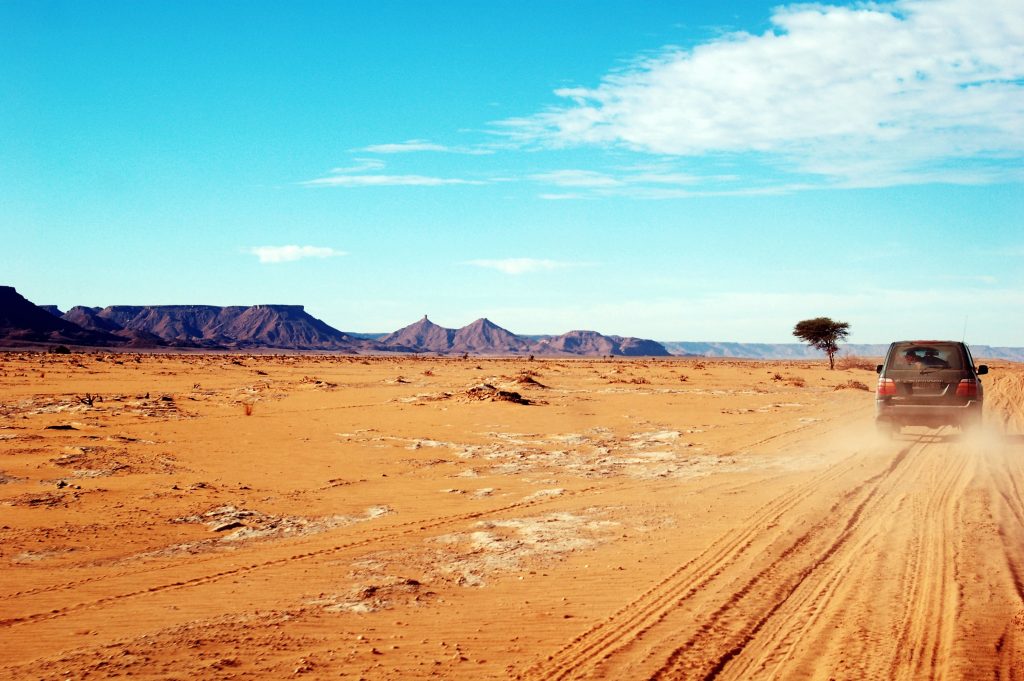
(650, 184)
(523, 265)
(577, 178)
(868, 95)
(566, 196)
(386, 181)
(411, 146)
(360, 165)
(276, 254)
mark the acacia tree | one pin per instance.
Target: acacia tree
(824, 334)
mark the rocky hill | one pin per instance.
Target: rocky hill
(284, 327)
(290, 327)
(421, 336)
(594, 343)
(23, 322)
(89, 318)
(485, 337)
(287, 327)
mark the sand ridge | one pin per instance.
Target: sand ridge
(234, 516)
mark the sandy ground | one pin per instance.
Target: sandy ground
(382, 518)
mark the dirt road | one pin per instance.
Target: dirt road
(904, 566)
(635, 521)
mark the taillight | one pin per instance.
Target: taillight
(886, 386)
(968, 387)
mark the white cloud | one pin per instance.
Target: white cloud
(577, 178)
(276, 254)
(422, 145)
(522, 265)
(361, 165)
(562, 197)
(386, 181)
(870, 95)
(646, 184)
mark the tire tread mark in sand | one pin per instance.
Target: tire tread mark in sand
(676, 665)
(811, 602)
(396, 531)
(928, 624)
(1008, 650)
(632, 620)
(432, 523)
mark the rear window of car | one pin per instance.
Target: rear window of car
(926, 355)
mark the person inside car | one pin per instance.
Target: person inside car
(931, 358)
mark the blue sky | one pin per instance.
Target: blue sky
(670, 170)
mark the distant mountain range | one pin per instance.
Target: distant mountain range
(802, 351)
(290, 327)
(282, 327)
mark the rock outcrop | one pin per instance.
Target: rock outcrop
(23, 322)
(421, 336)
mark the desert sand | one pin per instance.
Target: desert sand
(237, 517)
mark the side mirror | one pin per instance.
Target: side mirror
(878, 368)
(982, 369)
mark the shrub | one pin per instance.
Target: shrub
(852, 361)
(852, 385)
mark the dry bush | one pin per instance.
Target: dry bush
(852, 361)
(247, 408)
(852, 385)
(796, 381)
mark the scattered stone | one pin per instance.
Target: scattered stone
(485, 392)
(227, 526)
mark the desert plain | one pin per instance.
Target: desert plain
(240, 517)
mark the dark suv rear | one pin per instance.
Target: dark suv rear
(928, 383)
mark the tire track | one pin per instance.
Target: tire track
(926, 637)
(837, 619)
(798, 593)
(398, 531)
(743, 615)
(589, 650)
(1004, 473)
(394, 532)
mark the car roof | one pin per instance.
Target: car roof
(929, 341)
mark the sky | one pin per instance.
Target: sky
(670, 170)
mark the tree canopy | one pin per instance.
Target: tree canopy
(824, 334)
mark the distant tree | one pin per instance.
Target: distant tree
(824, 334)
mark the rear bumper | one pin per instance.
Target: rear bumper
(927, 414)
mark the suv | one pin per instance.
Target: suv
(928, 383)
